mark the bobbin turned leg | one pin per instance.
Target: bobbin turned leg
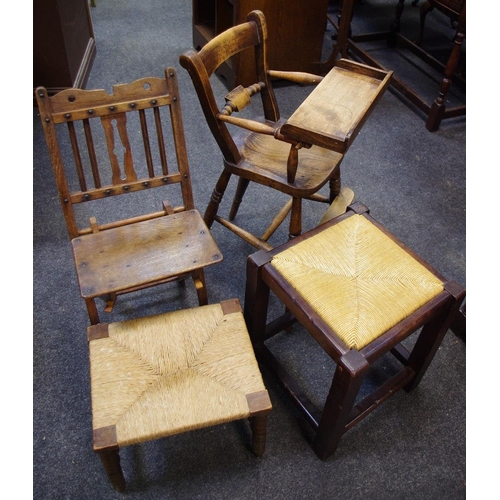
(217, 194)
(439, 105)
(111, 461)
(238, 197)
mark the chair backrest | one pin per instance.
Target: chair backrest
(201, 66)
(100, 146)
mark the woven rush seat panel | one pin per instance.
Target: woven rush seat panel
(371, 282)
(162, 375)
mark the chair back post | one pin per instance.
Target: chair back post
(179, 138)
(44, 106)
(201, 66)
(269, 102)
(193, 63)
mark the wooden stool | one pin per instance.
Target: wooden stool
(359, 293)
(162, 375)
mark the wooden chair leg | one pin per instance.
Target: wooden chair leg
(92, 311)
(458, 326)
(278, 219)
(339, 205)
(201, 289)
(295, 218)
(259, 433)
(218, 193)
(345, 386)
(111, 461)
(438, 106)
(424, 10)
(238, 197)
(335, 185)
(396, 23)
(110, 302)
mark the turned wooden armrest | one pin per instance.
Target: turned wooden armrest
(240, 97)
(296, 76)
(252, 125)
(262, 128)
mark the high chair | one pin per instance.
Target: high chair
(267, 149)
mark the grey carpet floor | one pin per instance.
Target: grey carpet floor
(412, 447)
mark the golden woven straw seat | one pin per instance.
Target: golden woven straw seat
(371, 282)
(359, 293)
(162, 375)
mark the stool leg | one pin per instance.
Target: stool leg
(256, 297)
(111, 461)
(346, 383)
(432, 335)
(259, 433)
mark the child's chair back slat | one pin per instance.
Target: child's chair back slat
(117, 143)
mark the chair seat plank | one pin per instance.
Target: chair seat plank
(130, 256)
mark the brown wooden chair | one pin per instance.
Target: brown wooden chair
(258, 152)
(456, 11)
(103, 145)
(359, 292)
(179, 371)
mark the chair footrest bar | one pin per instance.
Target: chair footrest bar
(376, 398)
(289, 384)
(318, 197)
(243, 234)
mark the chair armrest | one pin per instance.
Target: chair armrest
(252, 125)
(296, 76)
(262, 128)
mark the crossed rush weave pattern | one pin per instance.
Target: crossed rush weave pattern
(162, 375)
(371, 282)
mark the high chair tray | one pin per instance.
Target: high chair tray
(334, 112)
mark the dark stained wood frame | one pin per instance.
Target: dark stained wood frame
(347, 42)
(340, 413)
